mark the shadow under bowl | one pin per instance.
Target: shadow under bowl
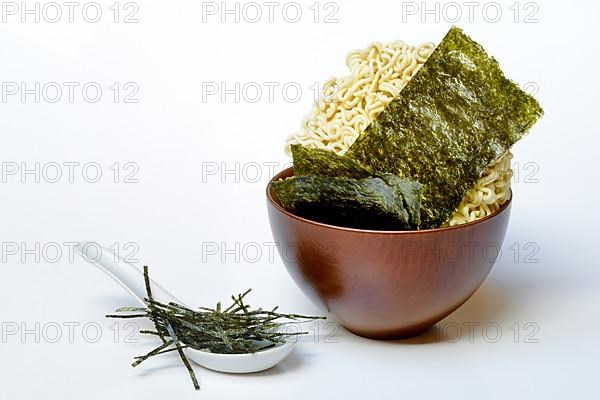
(386, 284)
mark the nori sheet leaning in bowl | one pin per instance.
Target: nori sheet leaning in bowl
(453, 118)
(321, 162)
(340, 191)
(368, 203)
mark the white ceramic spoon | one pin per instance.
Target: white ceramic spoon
(132, 280)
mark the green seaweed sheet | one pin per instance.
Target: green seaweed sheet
(453, 118)
(368, 203)
(321, 162)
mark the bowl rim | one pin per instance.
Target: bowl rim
(272, 201)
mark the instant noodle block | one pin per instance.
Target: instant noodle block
(369, 203)
(453, 118)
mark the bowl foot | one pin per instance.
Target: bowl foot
(402, 333)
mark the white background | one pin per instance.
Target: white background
(175, 211)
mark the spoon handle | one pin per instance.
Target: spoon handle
(124, 273)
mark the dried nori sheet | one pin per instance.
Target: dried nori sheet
(321, 162)
(455, 116)
(368, 203)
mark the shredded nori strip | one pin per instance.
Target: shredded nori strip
(368, 203)
(324, 163)
(237, 329)
(453, 118)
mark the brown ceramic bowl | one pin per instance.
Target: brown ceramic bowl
(386, 284)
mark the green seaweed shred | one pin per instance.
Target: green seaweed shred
(454, 117)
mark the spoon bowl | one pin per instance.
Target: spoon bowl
(131, 279)
(241, 363)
